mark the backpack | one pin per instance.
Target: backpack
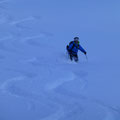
(72, 42)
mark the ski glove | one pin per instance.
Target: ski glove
(85, 53)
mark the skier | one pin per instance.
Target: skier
(73, 48)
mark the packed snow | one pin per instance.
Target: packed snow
(37, 79)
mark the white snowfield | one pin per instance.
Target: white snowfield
(38, 81)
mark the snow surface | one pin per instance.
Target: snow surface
(37, 81)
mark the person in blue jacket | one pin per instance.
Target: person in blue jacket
(73, 48)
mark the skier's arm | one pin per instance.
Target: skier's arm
(81, 49)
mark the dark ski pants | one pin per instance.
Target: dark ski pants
(72, 56)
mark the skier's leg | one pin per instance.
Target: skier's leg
(70, 53)
(71, 57)
(76, 58)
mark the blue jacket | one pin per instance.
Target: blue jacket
(73, 47)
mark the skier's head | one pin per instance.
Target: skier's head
(76, 40)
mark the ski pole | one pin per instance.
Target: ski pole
(86, 57)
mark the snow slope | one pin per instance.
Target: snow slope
(37, 81)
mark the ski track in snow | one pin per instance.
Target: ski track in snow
(18, 22)
(70, 76)
(66, 103)
(21, 24)
(10, 87)
(3, 1)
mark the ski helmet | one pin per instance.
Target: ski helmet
(76, 38)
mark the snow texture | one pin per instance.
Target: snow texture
(38, 81)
